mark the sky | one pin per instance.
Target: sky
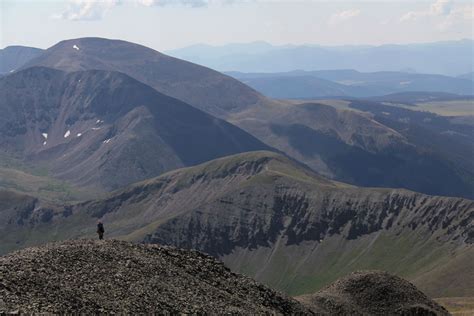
(170, 24)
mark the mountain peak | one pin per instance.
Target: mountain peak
(216, 93)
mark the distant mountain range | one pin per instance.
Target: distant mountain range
(469, 76)
(291, 84)
(350, 83)
(450, 58)
(349, 146)
(273, 219)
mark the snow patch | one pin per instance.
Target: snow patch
(96, 128)
(45, 135)
(67, 134)
(44, 143)
(99, 121)
(13, 70)
(76, 47)
(79, 134)
(106, 141)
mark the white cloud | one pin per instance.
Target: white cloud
(343, 16)
(162, 3)
(89, 10)
(438, 8)
(441, 7)
(445, 10)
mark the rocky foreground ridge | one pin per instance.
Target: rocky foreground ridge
(115, 276)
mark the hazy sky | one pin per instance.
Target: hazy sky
(168, 24)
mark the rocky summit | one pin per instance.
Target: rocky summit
(372, 293)
(86, 276)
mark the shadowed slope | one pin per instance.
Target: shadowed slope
(105, 129)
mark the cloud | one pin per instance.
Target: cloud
(441, 7)
(445, 10)
(90, 10)
(343, 16)
(162, 3)
(87, 10)
(438, 8)
(188, 3)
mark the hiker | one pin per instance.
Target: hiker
(100, 230)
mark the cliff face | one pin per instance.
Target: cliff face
(301, 216)
(281, 223)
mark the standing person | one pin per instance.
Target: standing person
(100, 230)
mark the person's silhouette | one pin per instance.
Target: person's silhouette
(100, 230)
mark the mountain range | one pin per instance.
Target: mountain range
(350, 83)
(293, 193)
(273, 219)
(346, 144)
(450, 58)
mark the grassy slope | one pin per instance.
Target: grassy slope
(42, 186)
(447, 108)
(442, 108)
(458, 306)
(307, 268)
(35, 181)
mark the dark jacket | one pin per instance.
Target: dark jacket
(100, 228)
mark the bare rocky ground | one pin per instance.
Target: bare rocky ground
(85, 276)
(113, 276)
(372, 293)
